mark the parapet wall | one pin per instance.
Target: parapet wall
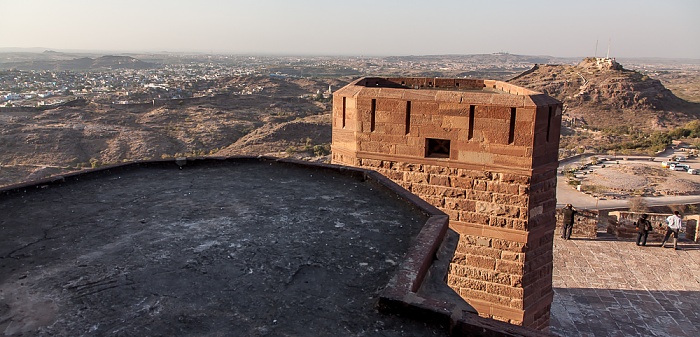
(452, 84)
(624, 222)
(485, 153)
(585, 223)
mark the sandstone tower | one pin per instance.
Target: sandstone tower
(484, 152)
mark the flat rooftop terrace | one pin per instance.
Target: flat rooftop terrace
(607, 287)
(257, 248)
(243, 248)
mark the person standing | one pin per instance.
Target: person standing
(673, 226)
(569, 213)
(643, 229)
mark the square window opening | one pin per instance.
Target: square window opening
(437, 148)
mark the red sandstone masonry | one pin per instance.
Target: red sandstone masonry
(496, 183)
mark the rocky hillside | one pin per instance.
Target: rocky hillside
(277, 120)
(298, 138)
(283, 117)
(600, 93)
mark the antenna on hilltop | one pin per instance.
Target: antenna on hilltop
(607, 56)
(596, 49)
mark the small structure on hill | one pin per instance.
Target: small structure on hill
(600, 63)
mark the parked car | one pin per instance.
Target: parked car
(679, 167)
(694, 171)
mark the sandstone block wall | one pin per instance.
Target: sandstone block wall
(585, 224)
(692, 228)
(485, 153)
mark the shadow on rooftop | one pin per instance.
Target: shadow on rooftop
(258, 245)
(619, 312)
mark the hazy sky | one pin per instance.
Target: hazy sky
(636, 28)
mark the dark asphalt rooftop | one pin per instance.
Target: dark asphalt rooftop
(229, 248)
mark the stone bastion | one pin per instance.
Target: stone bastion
(485, 153)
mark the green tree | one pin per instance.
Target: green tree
(660, 139)
(694, 128)
(321, 150)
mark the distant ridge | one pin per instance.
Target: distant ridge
(58, 61)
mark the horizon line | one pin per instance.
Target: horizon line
(39, 50)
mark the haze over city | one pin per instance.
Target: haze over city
(311, 27)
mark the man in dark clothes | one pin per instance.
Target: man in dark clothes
(643, 229)
(569, 213)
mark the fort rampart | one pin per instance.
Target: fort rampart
(485, 153)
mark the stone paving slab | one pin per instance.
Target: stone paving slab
(607, 287)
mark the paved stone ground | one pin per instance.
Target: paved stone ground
(606, 287)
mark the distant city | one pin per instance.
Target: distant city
(51, 78)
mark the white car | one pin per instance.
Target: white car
(694, 171)
(679, 167)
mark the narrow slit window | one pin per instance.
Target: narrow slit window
(549, 122)
(408, 117)
(372, 115)
(344, 112)
(511, 132)
(471, 122)
(437, 148)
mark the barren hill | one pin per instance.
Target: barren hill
(289, 137)
(600, 93)
(36, 143)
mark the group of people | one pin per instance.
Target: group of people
(673, 227)
(643, 226)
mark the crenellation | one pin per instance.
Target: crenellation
(485, 153)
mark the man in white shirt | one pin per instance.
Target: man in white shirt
(674, 225)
